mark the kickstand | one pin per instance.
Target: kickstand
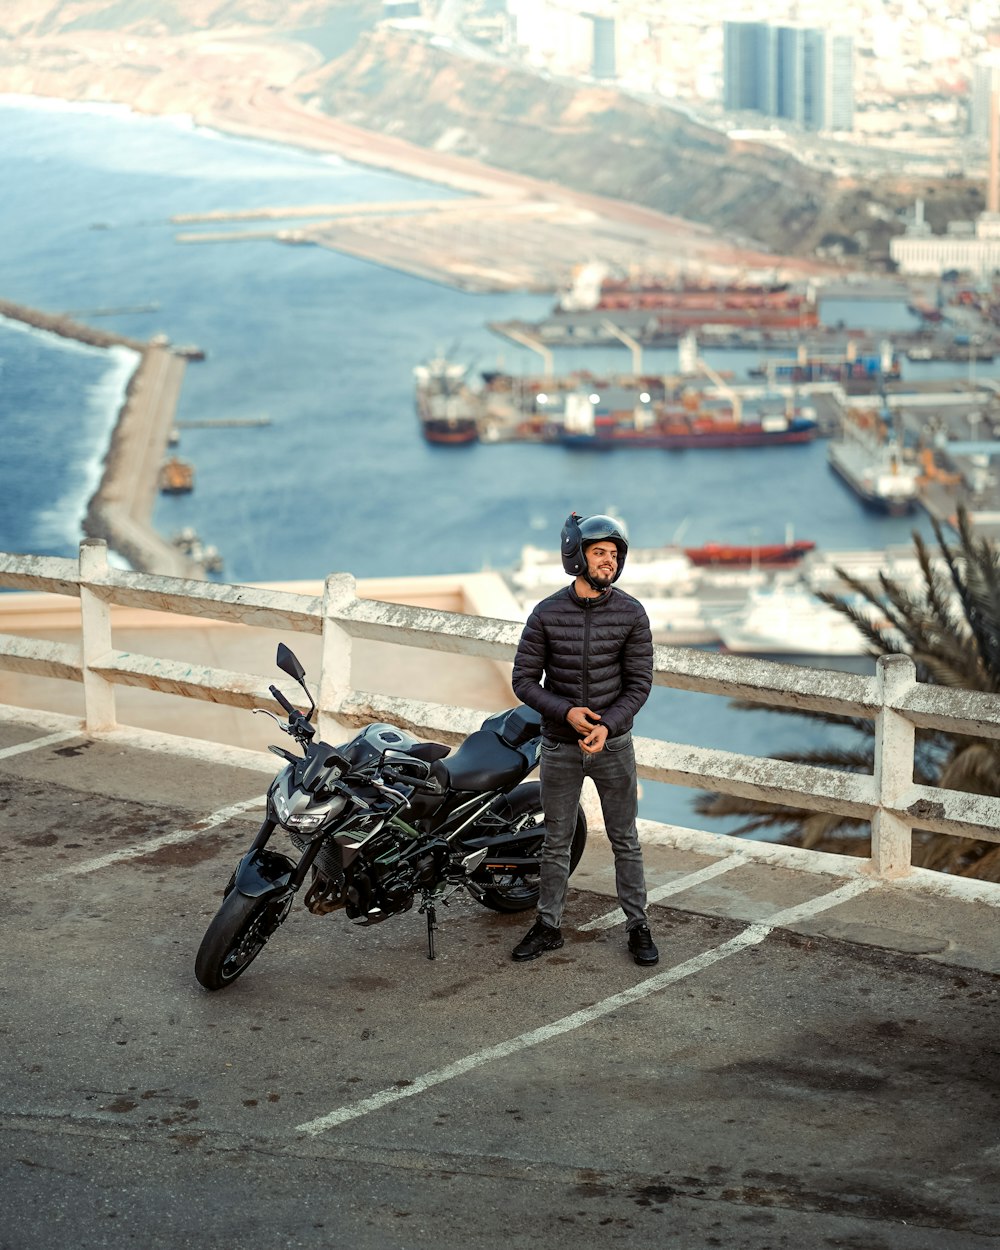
(428, 908)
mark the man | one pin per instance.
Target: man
(585, 662)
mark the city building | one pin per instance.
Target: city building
(799, 73)
(604, 65)
(983, 87)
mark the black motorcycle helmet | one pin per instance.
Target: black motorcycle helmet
(579, 532)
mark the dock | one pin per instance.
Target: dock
(121, 509)
(649, 328)
(223, 423)
(493, 242)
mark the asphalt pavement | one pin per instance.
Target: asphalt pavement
(814, 1062)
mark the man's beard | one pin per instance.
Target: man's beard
(601, 581)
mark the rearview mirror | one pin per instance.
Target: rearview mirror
(288, 662)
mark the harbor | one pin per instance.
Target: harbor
(758, 599)
(729, 492)
(956, 321)
(898, 439)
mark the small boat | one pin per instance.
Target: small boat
(447, 406)
(176, 477)
(790, 620)
(209, 557)
(764, 555)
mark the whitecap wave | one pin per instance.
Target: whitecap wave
(52, 104)
(244, 157)
(60, 524)
(72, 346)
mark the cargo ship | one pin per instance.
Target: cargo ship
(584, 411)
(683, 420)
(681, 303)
(680, 432)
(448, 408)
(869, 459)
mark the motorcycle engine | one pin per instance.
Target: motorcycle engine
(326, 893)
(388, 886)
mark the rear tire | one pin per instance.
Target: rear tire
(520, 892)
(237, 935)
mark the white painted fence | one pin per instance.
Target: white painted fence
(892, 698)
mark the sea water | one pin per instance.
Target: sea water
(323, 346)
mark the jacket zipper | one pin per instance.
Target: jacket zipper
(586, 657)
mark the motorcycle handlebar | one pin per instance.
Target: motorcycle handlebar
(282, 700)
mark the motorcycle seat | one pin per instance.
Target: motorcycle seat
(485, 762)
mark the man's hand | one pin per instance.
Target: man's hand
(582, 720)
(592, 735)
(595, 740)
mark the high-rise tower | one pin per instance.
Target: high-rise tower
(800, 73)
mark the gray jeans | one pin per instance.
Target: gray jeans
(564, 767)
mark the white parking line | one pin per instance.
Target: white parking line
(145, 848)
(751, 936)
(677, 886)
(36, 744)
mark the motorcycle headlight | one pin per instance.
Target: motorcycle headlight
(304, 820)
(312, 815)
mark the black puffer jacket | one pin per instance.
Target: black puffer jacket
(595, 653)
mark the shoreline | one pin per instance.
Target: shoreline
(281, 120)
(121, 507)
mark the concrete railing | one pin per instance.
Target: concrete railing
(892, 698)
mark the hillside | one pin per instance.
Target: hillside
(592, 138)
(231, 58)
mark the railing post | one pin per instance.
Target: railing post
(335, 666)
(894, 737)
(95, 633)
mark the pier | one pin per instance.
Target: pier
(655, 329)
(504, 241)
(223, 423)
(121, 509)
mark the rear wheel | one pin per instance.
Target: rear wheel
(518, 891)
(237, 935)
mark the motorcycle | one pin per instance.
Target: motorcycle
(381, 819)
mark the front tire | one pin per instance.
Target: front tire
(239, 932)
(519, 892)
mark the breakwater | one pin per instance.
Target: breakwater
(120, 510)
(67, 327)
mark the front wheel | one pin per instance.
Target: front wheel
(518, 891)
(237, 935)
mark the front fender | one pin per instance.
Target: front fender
(262, 873)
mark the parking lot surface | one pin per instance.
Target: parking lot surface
(765, 1085)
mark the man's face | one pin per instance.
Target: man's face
(602, 561)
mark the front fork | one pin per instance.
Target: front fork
(265, 874)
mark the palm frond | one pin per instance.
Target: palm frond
(950, 627)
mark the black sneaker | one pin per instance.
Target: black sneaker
(541, 937)
(640, 943)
